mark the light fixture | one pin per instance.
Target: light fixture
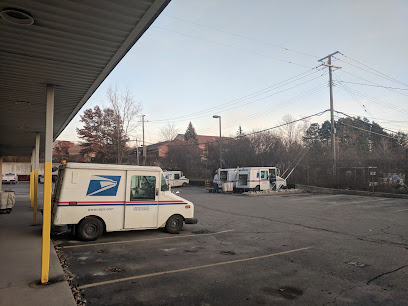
(22, 103)
(16, 16)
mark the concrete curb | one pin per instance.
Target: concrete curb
(314, 189)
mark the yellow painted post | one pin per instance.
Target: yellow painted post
(32, 179)
(45, 260)
(46, 232)
(36, 166)
(35, 194)
(31, 187)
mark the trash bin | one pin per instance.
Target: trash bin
(7, 201)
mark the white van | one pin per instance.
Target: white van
(259, 178)
(93, 198)
(176, 178)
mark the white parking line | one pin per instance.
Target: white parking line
(358, 202)
(188, 269)
(400, 210)
(143, 240)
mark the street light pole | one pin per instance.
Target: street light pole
(219, 140)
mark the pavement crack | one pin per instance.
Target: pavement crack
(385, 273)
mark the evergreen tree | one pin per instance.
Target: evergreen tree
(190, 134)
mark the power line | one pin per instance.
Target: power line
(272, 109)
(352, 95)
(233, 47)
(256, 132)
(375, 85)
(347, 115)
(371, 132)
(224, 107)
(239, 35)
(378, 101)
(382, 74)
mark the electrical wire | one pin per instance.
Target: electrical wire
(271, 109)
(239, 35)
(351, 94)
(378, 101)
(371, 132)
(382, 74)
(230, 46)
(256, 132)
(349, 116)
(375, 85)
(241, 99)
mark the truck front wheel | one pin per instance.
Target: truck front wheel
(90, 228)
(174, 224)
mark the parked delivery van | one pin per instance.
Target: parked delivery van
(259, 178)
(93, 198)
(175, 178)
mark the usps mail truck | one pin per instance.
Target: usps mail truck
(259, 178)
(176, 178)
(93, 198)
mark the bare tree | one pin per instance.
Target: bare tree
(292, 132)
(126, 111)
(168, 132)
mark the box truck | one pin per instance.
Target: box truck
(259, 178)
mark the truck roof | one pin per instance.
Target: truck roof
(110, 167)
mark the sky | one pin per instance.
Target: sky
(253, 62)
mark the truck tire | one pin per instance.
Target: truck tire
(257, 188)
(174, 224)
(90, 228)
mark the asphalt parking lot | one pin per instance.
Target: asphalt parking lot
(285, 249)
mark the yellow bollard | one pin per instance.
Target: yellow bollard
(32, 188)
(35, 196)
(45, 262)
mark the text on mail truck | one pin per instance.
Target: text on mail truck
(93, 198)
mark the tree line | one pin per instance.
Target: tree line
(360, 144)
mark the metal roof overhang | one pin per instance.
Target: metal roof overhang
(73, 45)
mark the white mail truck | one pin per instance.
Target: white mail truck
(259, 178)
(228, 179)
(93, 198)
(176, 178)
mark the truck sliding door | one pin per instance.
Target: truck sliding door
(141, 207)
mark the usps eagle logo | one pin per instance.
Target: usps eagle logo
(103, 185)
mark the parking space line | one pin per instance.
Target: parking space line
(188, 269)
(359, 202)
(142, 240)
(400, 210)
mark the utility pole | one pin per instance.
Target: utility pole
(332, 129)
(219, 141)
(144, 145)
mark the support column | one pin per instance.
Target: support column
(46, 232)
(1, 172)
(32, 178)
(36, 166)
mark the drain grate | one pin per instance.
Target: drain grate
(200, 232)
